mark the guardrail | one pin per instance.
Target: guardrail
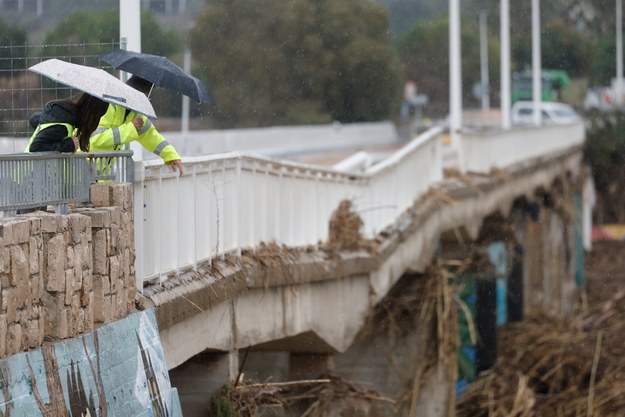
(229, 202)
(481, 150)
(32, 180)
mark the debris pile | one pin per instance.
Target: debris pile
(344, 230)
(311, 398)
(551, 367)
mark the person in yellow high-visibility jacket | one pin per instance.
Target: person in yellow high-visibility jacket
(120, 126)
(65, 125)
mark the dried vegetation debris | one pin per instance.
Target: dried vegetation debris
(311, 398)
(345, 230)
(564, 368)
(424, 298)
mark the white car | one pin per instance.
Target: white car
(552, 113)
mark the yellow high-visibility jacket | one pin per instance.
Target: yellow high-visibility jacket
(116, 129)
(61, 144)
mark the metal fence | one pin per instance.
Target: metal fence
(34, 180)
(23, 93)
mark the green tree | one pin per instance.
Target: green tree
(85, 34)
(562, 47)
(425, 54)
(12, 41)
(604, 62)
(82, 36)
(296, 61)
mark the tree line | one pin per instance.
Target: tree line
(315, 61)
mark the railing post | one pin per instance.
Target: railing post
(237, 208)
(195, 216)
(138, 220)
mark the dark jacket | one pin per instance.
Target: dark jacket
(54, 137)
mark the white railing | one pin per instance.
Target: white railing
(229, 202)
(480, 150)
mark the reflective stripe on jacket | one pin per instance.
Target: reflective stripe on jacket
(69, 127)
(116, 129)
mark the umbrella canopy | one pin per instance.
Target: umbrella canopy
(159, 71)
(96, 82)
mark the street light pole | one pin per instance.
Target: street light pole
(618, 100)
(455, 73)
(536, 63)
(130, 23)
(484, 62)
(505, 64)
(130, 34)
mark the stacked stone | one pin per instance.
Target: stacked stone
(22, 313)
(67, 262)
(113, 257)
(62, 275)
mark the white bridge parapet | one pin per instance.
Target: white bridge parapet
(483, 150)
(229, 202)
(234, 201)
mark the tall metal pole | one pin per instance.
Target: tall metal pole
(130, 34)
(184, 124)
(505, 64)
(484, 62)
(130, 23)
(619, 54)
(455, 73)
(536, 63)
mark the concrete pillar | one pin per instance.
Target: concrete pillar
(498, 256)
(198, 380)
(533, 259)
(233, 365)
(486, 319)
(515, 285)
(578, 236)
(309, 365)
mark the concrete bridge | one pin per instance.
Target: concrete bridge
(243, 255)
(277, 268)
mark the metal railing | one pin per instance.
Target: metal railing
(483, 150)
(229, 202)
(32, 180)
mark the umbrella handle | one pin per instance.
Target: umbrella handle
(123, 100)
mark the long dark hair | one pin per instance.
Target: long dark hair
(90, 110)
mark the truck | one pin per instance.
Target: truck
(554, 83)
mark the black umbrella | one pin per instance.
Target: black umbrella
(159, 71)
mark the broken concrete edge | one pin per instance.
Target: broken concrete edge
(225, 278)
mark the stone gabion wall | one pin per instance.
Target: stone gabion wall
(63, 275)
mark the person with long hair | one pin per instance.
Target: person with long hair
(65, 125)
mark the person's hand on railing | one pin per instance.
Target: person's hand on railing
(138, 122)
(176, 165)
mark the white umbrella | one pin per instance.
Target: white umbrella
(96, 82)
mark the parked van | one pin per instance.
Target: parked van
(552, 113)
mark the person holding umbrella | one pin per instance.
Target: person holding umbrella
(65, 125)
(119, 126)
